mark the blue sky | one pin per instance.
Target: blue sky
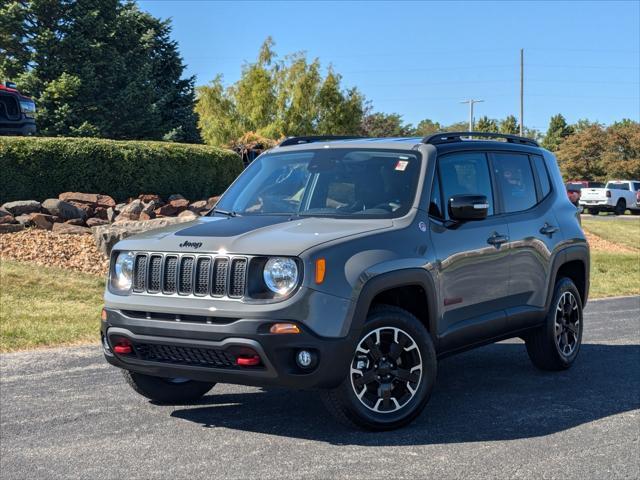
(421, 59)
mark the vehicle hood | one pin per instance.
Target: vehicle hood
(250, 235)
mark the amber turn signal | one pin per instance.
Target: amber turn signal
(284, 328)
(321, 268)
(103, 315)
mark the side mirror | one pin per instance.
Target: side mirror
(468, 207)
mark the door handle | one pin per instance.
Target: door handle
(548, 229)
(496, 240)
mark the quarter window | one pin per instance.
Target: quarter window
(515, 178)
(466, 173)
(435, 205)
(543, 175)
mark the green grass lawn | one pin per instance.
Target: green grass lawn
(41, 306)
(623, 232)
(614, 274)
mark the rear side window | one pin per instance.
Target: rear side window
(543, 175)
(636, 186)
(618, 186)
(515, 179)
(466, 173)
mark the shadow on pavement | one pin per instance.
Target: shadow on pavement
(488, 394)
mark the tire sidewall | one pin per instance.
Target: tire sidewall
(360, 414)
(564, 285)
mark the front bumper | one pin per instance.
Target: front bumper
(184, 345)
(23, 127)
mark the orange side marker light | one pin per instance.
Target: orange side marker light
(321, 268)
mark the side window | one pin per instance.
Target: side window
(465, 173)
(543, 175)
(636, 186)
(435, 204)
(514, 175)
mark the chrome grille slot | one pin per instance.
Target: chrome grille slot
(186, 275)
(220, 272)
(203, 274)
(237, 281)
(139, 282)
(170, 272)
(155, 273)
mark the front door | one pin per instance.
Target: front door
(472, 257)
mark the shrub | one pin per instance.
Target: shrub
(39, 167)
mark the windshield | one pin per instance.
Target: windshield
(327, 182)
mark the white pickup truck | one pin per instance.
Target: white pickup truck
(617, 196)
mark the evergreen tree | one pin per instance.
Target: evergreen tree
(509, 125)
(558, 130)
(98, 68)
(486, 124)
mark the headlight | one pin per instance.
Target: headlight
(281, 275)
(122, 275)
(28, 108)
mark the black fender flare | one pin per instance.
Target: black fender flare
(394, 279)
(568, 254)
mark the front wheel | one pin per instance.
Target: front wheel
(555, 345)
(171, 391)
(391, 374)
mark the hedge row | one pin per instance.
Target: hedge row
(36, 168)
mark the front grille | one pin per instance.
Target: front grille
(201, 275)
(201, 357)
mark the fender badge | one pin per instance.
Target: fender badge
(190, 244)
(422, 226)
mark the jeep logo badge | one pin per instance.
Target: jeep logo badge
(190, 244)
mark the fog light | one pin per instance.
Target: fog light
(305, 359)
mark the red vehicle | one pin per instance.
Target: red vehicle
(574, 189)
(17, 111)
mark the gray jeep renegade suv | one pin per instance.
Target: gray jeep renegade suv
(351, 266)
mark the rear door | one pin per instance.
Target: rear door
(472, 257)
(524, 186)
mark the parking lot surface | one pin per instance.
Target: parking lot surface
(64, 413)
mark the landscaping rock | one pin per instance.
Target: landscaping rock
(24, 219)
(6, 217)
(62, 209)
(212, 201)
(76, 221)
(68, 229)
(198, 207)
(10, 227)
(175, 196)
(96, 222)
(166, 210)
(94, 199)
(108, 235)
(147, 216)
(101, 212)
(146, 198)
(179, 204)
(42, 221)
(22, 207)
(131, 211)
(86, 208)
(188, 214)
(111, 214)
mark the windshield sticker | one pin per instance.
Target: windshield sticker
(401, 166)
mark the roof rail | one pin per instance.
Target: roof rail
(450, 137)
(315, 138)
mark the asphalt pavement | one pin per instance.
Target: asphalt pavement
(64, 413)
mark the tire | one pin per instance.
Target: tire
(594, 211)
(394, 338)
(166, 390)
(635, 212)
(621, 207)
(549, 351)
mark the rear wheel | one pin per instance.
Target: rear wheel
(621, 206)
(555, 345)
(594, 211)
(635, 212)
(391, 375)
(167, 390)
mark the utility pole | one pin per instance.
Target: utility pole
(471, 102)
(522, 92)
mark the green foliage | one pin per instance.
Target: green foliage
(39, 168)
(99, 68)
(486, 124)
(276, 98)
(558, 130)
(509, 125)
(427, 127)
(385, 125)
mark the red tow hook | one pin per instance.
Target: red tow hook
(248, 361)
(122, 348)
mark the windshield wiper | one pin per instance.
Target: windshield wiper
(224, 212)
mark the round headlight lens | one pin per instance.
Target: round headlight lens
(122, 278)
(281, 275)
